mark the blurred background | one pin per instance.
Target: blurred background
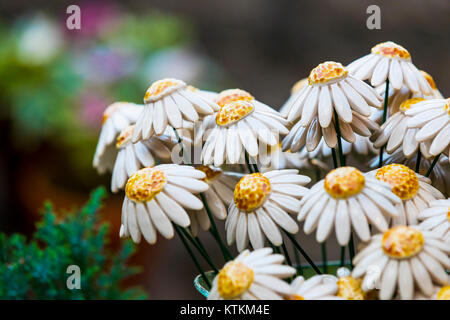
(55, 84)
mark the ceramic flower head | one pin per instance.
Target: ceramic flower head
(347, 199)
(405, 258)
(116, 118)
(261, 205)
(395, 132)
(431, 119)
(167, 103)
(132, 157)
(438, 176)
(233, 95)
(252, 275)
(157, 196)
(237, 127)
(218, 196)
(318, 287)
(299, 85)
(389, 60)
(396, 97)
(436, 219)
(331, 87)
(413, 189)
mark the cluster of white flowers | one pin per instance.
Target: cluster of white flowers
(246, 172)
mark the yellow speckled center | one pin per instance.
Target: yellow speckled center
(211, 172)
(429, 79)
(409, 102)
(448, 215)
(326, 72)
(231, 95)
(444, 293)
(251, 192)
(344, 182)
(299, 85)
(234, 279)
(162, 87)
(402, 242)
(294, 297)
(145, 184)
(111, 109)
(403, 180)
(391, 50)
(350, 288)
(124, 136)
(233, 112)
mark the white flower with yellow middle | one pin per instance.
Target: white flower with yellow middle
(436, 218)
(238, 126)
(252, 275)
(413, 189)
(116, 118)
(156, 197)
(318, 287)
(261, 205)
(405, 258)
(167, 103)
(389, 60)
(347, 199)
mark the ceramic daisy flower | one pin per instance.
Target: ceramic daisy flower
(406, 258)
(310, 135)
(116, 118)
(218, 196)
(389, 60)
(350, 288)
(233, 95)
(318, 287)
(238, 125)
(132, 157)
(252, 275)
(431, 120)
(396, 97)
(413, 189)
(436, 218)
(157, 196)
(438, 176)
(395, 132)
(261, 205)
(299, 85)
(331, 87)
(167, 103)
(347, 199)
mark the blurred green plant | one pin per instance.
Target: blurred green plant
(37, 269)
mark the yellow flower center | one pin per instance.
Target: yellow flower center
(344, 182)
(111, 109)
(326, 72)
(350, 288)
(233, 112)
(409, 102)
(211, 172)
(231, 95)
(299, 85)
(444, 293)
(251, 192)
(124, 136)
(161, 88)
(429, 78)
(234, 279)
(448, 215)
(402, 242)
(294, 297)
(145, 184)
(403, 180)
(391, 50)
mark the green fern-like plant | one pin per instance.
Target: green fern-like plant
(36, 269)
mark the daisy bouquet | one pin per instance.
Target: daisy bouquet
(188, 157)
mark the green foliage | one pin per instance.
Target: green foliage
(37, 269)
